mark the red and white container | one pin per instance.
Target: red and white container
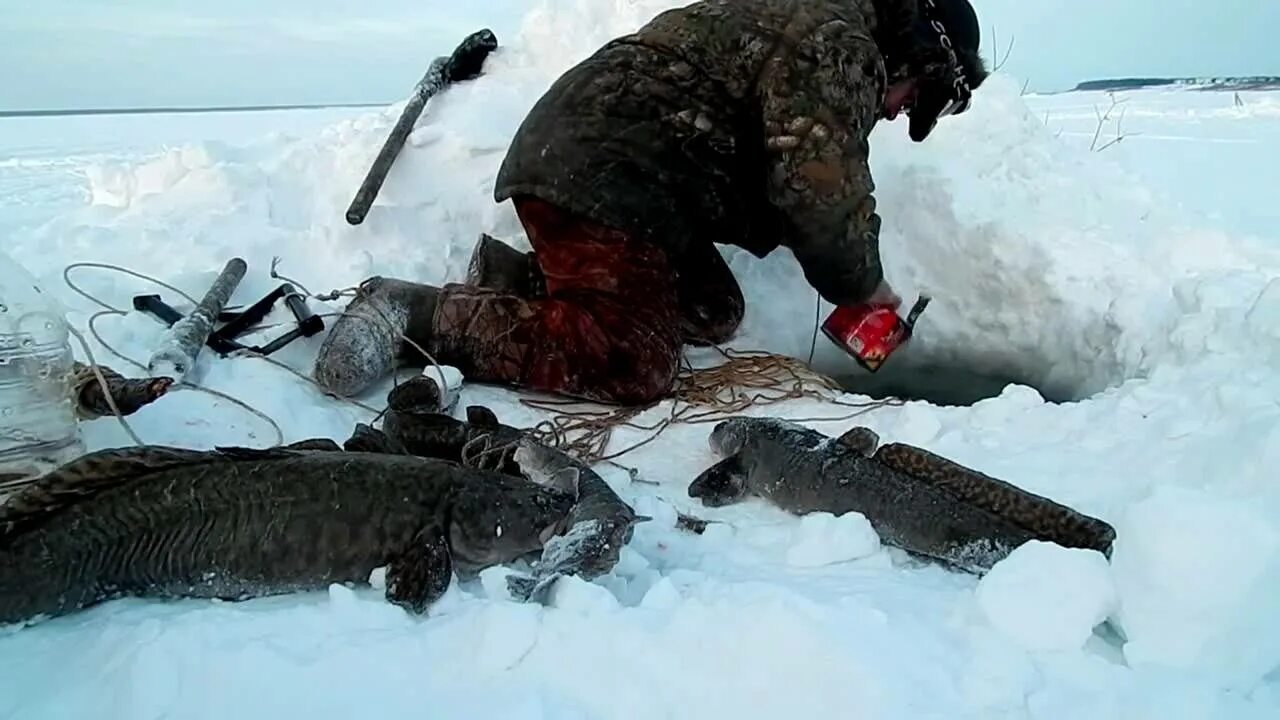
(871, 332)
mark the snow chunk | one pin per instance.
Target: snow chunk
(453, 380)
(821, 538)
(494, 581)
(574, 594)
(1198, 575)
(630, 562)
(663, 595)
(342, 599)
(917, 425)
(1047, 597)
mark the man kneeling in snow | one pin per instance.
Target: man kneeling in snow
(742, 122)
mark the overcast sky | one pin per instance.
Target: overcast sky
(61, 54)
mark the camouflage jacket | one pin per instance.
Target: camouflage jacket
(741, 122)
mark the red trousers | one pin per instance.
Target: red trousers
(613, 320)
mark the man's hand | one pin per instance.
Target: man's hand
(884, 295)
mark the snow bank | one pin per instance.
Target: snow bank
(1048, 265)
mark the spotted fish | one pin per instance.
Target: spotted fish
(915, 500)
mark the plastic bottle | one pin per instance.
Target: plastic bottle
(38, 426)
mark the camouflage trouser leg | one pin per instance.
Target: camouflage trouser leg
(608, 328)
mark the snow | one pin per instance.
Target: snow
(822, 538)
(1047, 597)
(1139, 282)
(1174, 546)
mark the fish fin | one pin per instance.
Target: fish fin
(690, 523)
(366, 438)
(421, 573)
(247, 453)
(531, 589)
(565, 480)
(534, 458)
(721, 484)
(860, 439)
(85, 477)
(481, 416)
(419, 395)
(428, 433)
(324, 444)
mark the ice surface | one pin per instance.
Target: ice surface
(1047, 597)
(1141, 280)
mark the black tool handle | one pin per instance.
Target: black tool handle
(154, 305)
(242, 321)
(308, 322)
(921, 303)
(160, 309)
(463, 64)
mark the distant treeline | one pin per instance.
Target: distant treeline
(1257, 82)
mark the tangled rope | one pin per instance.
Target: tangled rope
(482, 447)
(745, 380)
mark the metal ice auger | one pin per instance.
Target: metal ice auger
(186, 335)
(176, 354)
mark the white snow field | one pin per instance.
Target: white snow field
(1137, 285)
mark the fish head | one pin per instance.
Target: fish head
(504, 519)
(721, 484)
(729, 437)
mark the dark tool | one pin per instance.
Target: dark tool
(463, 64)
(223, 340)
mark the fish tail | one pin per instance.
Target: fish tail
(521, 587)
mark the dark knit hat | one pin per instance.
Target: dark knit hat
(961, 25)
(946, 39)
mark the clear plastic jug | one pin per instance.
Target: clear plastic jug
(38, 426)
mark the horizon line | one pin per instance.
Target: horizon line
(181, 109)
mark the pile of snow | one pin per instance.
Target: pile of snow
(1046, 597)
(1046, 263)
